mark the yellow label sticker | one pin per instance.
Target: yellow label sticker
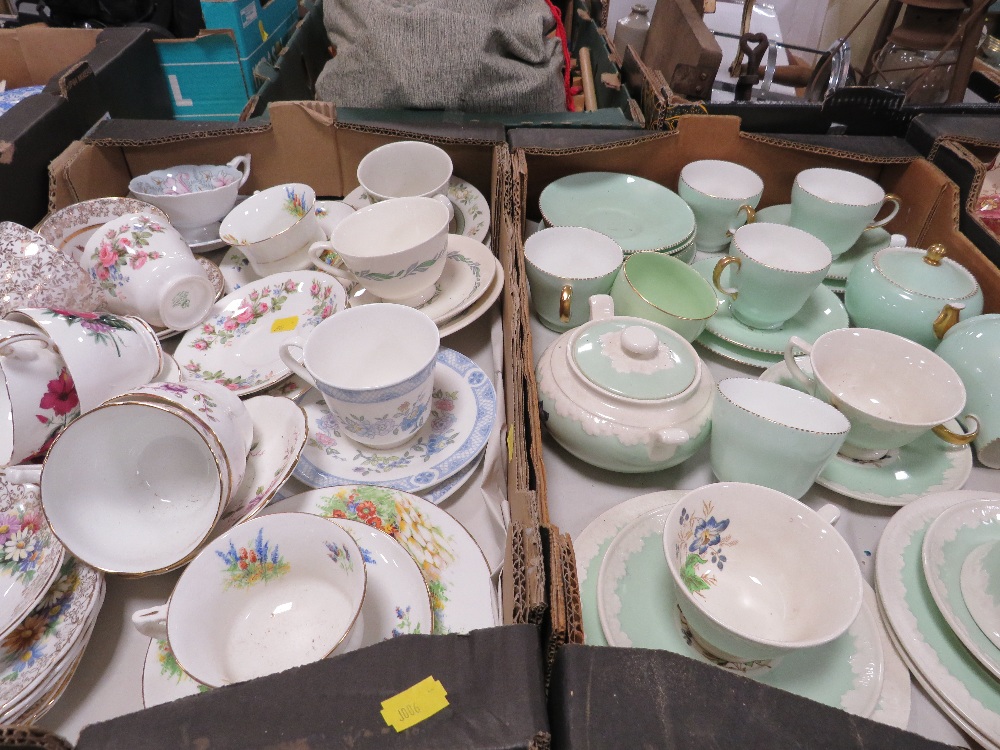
(414, 704)
(285, 324)
(263, 31)
(510, 443)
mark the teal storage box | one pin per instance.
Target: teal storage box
(211, 77)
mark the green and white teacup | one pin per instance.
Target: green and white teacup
(723, 196)
(565, 266)
(777, 268)
(837, 206)
(772, 435)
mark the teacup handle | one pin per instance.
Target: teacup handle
(242, 164)
(442, 198)
(956, 438)
(8, 341)
(602, 306)
(889, 198)
(23, 474)
(565, 302)
(293, 363)
(796, 372)
(152, 621)
(751, 218)
(316, 251)
(717, 275)
(829, 513)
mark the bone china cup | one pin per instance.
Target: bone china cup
(396, 248)
(144, 267)
(891, 389)
(270, 594)
(106, 355)
(405, 169)
(768, 434)
(274, 228)
(723, 196)
(758, 573)
(374, 365)
(837, 206)
(565, 267)
(132, 488)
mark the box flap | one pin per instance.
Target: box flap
(31, 55)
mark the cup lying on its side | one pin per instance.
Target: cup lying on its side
(272, 593)
(723, 196)
(374, 365)
(565, 267)
(892, 390)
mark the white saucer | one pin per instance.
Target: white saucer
(478, 308)
(472, 210)
(203, 239)
(330, 213)
(926, 465)
(463, 411)
(979, 588)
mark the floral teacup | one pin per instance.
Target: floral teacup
(272, 593)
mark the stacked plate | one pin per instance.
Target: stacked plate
(938, 580)
(627, 597)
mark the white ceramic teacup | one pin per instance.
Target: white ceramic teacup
(272, 593)
(567, 265)
(892, 390)
(374, 365)
(106, 355)
(193, 195)
(396, 249)
(133, 488)
(759, 574)
(776, 269)
(723, 196)
(144, 267)
(36, 392)
(768, 434)
(405, 169)
(837, 205)
(274, 228)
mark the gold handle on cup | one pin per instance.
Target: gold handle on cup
(717, 274)
(889, 198)
(751, 218)
(955, 438)
(565, 300)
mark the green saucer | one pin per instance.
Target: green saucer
(822, 312)
(870, 242)
(735, 353)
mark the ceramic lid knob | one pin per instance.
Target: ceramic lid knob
(640, 342)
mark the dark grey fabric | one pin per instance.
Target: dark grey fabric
(496, 56)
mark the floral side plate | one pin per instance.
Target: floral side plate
(472, 210)
(478, 308)
(163, 680)
(463, 410)
(637, 606)
(69, 228)
(926, 465)
(237, 346)
(953, 536)
(954, 678)
(50, 630)
(454, 567)
(30, 555)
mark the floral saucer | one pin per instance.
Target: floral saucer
(979, 588)
(454, 567)
(472, 210)
(955, 680)
(69, 228)
(237, 346)
(822, 312)
(870, 242)
(441, 492)
(330, 213)
(218, 284)
(638, 607)
(59, 622)
(463, 410)
(30, 555)
(467, 275)
(163, 680)
(926, 465)
(478, 308)
(950, 539)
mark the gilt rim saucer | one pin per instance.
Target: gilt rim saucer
(637, 605)
(979, 584)
(734, 353)
(926, 465)
(463, 411)
(823, 312)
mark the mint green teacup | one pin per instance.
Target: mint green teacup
(565, 266)
(772, 435)
(723, 196)
(837, 206)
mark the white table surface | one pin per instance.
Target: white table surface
(578, 493)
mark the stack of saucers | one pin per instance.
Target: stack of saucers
(937, 571)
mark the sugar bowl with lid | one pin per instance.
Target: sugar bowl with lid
(624, 393)
(913, 293)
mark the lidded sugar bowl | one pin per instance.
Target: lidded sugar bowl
(913, 293)
(624, 393)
